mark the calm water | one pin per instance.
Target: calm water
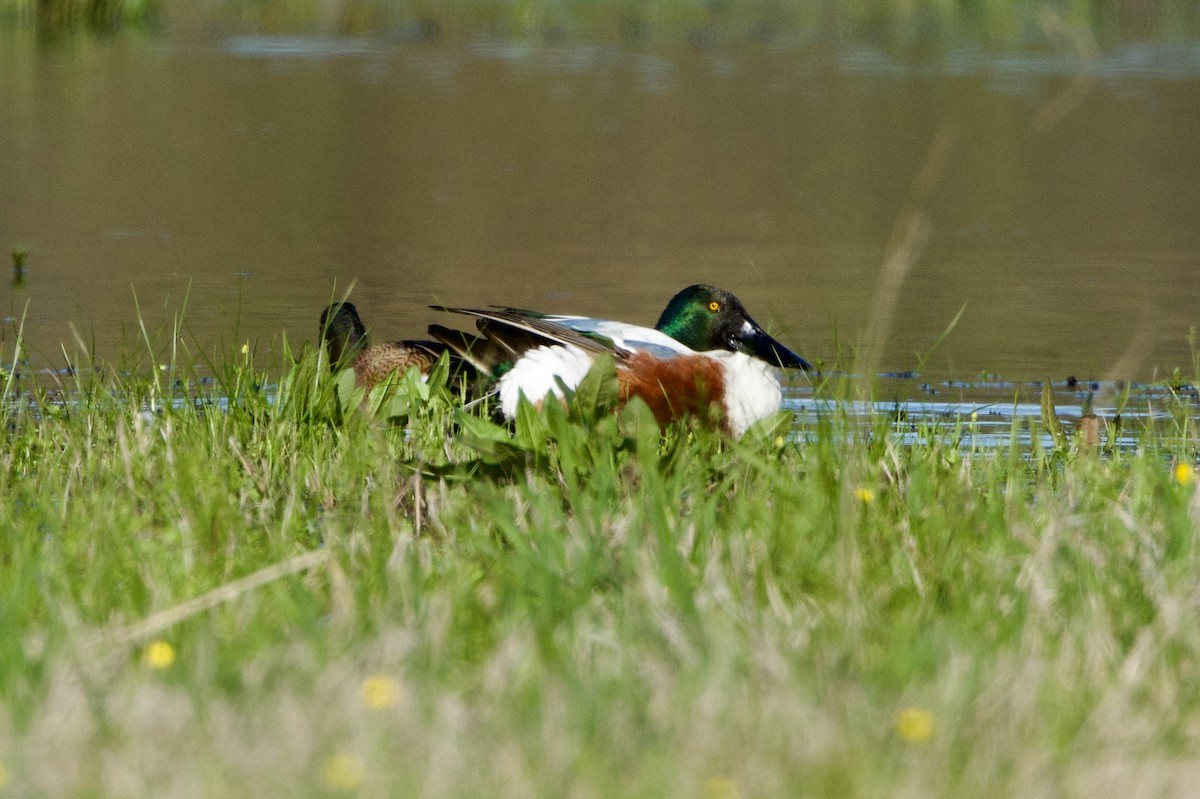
(252, 179)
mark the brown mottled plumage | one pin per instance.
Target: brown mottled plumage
(345, 336)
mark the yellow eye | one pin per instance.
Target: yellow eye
(714, 306)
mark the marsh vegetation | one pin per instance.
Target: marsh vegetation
(249, 583)
(220, 575)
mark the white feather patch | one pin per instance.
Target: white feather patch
(752, 389)
(538, 373)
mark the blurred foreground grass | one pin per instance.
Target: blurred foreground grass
(898, 23)
(227, 589)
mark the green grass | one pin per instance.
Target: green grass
(577, 605)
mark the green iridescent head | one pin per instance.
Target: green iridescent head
(709, 318)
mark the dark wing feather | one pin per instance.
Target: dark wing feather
(514, 331)
(433, 349)
(481, 353)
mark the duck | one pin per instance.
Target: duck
(345, 338)
(706, 358)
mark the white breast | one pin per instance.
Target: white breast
(752, 389)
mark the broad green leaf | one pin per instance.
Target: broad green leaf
(529, 430)
(349, 395)
(494, 443)
(599, 392)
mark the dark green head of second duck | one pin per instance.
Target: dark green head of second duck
(343, 332)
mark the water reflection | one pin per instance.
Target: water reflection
(253, 179)
(1174, 61)
(294, 46)
(999, 415)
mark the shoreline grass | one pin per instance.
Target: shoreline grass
(911, 27)
(579, 605)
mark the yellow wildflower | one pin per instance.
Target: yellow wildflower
(343, 772)
(914, 724)
(380, 693)
(246, 348)
(864, 495)
(1185, 474)
(159, 655)
(721, 788)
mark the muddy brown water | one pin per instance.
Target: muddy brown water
(245, 181)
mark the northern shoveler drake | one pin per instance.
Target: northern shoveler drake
(345, 338)
(705, 352)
